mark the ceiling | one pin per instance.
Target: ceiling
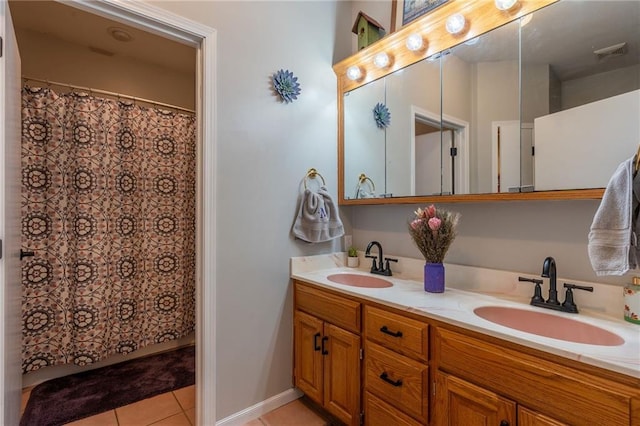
(90, 31)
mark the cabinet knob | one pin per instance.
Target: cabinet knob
(316, 346)
(504, 423)
(384, 376)
(385, 330)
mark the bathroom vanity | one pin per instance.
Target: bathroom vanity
(397, 355)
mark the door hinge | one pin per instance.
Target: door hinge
(434, 388)
(533, 151)
(454, 151)
(362, 417)
(0, 249)
(1, 44)
(361, 353)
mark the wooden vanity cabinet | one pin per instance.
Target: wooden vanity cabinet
(396, 369)
(478, 381)
(424, 372)
(327, 350)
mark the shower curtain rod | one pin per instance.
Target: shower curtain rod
(108, 93)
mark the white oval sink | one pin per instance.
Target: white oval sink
(553, 326)
(357, 280)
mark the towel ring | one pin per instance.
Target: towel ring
(312, 174)
(363, 178)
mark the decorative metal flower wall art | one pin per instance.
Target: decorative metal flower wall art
(381, 115)
(286, 85)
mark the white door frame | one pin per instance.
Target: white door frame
(462, 130)
(10, 285)
(166, 24)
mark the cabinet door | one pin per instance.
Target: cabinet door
(308, 356)
(459, 403)
(527, 417)
(342, 374)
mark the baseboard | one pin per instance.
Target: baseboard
(257, 410)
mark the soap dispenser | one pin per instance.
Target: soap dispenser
(632, 301)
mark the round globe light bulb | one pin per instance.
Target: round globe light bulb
(381, 60)
(505, 4)
(354, 73)
(455, 23)
(414, 42)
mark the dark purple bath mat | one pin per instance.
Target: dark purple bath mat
(81, 395)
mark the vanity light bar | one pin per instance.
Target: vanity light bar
(381, 60)
(505, 4)
(354, 73)
(455, 23)
(414, 42)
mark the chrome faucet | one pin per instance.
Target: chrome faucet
(379, 268)
(549, 271)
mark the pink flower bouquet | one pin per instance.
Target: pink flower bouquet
(433, 230)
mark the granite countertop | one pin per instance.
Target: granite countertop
(456, 305)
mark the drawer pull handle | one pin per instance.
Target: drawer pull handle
(385, 330)
(324, 350)
(384, 376)
(316, 346)
(504, 423)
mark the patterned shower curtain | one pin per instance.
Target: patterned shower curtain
(108, 207)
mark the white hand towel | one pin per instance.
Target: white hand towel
(318, 219)
(611, 233)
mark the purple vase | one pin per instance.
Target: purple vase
(434, 277)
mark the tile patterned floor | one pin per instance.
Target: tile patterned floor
(295, 413)
(177, 408)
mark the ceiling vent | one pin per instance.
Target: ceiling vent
(611, 51)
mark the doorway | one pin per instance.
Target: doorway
(439, 152)
(151, 19)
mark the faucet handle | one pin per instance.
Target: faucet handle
(374, 265)
(578, 287)
(568, 304)
(537, 292)
(387, 268)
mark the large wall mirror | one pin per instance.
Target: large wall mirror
(543, 104)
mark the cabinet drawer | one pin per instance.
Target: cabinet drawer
(401, 381)
(396, 332)
(339, 311)
(379, 413)
(539, 384)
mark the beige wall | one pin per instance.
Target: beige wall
(56, 60)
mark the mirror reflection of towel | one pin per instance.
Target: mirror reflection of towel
(611, 239)
(318, 218)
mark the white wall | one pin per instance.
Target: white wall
(609, 128)
(496, 88)
(53, 59)
(264, 150)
